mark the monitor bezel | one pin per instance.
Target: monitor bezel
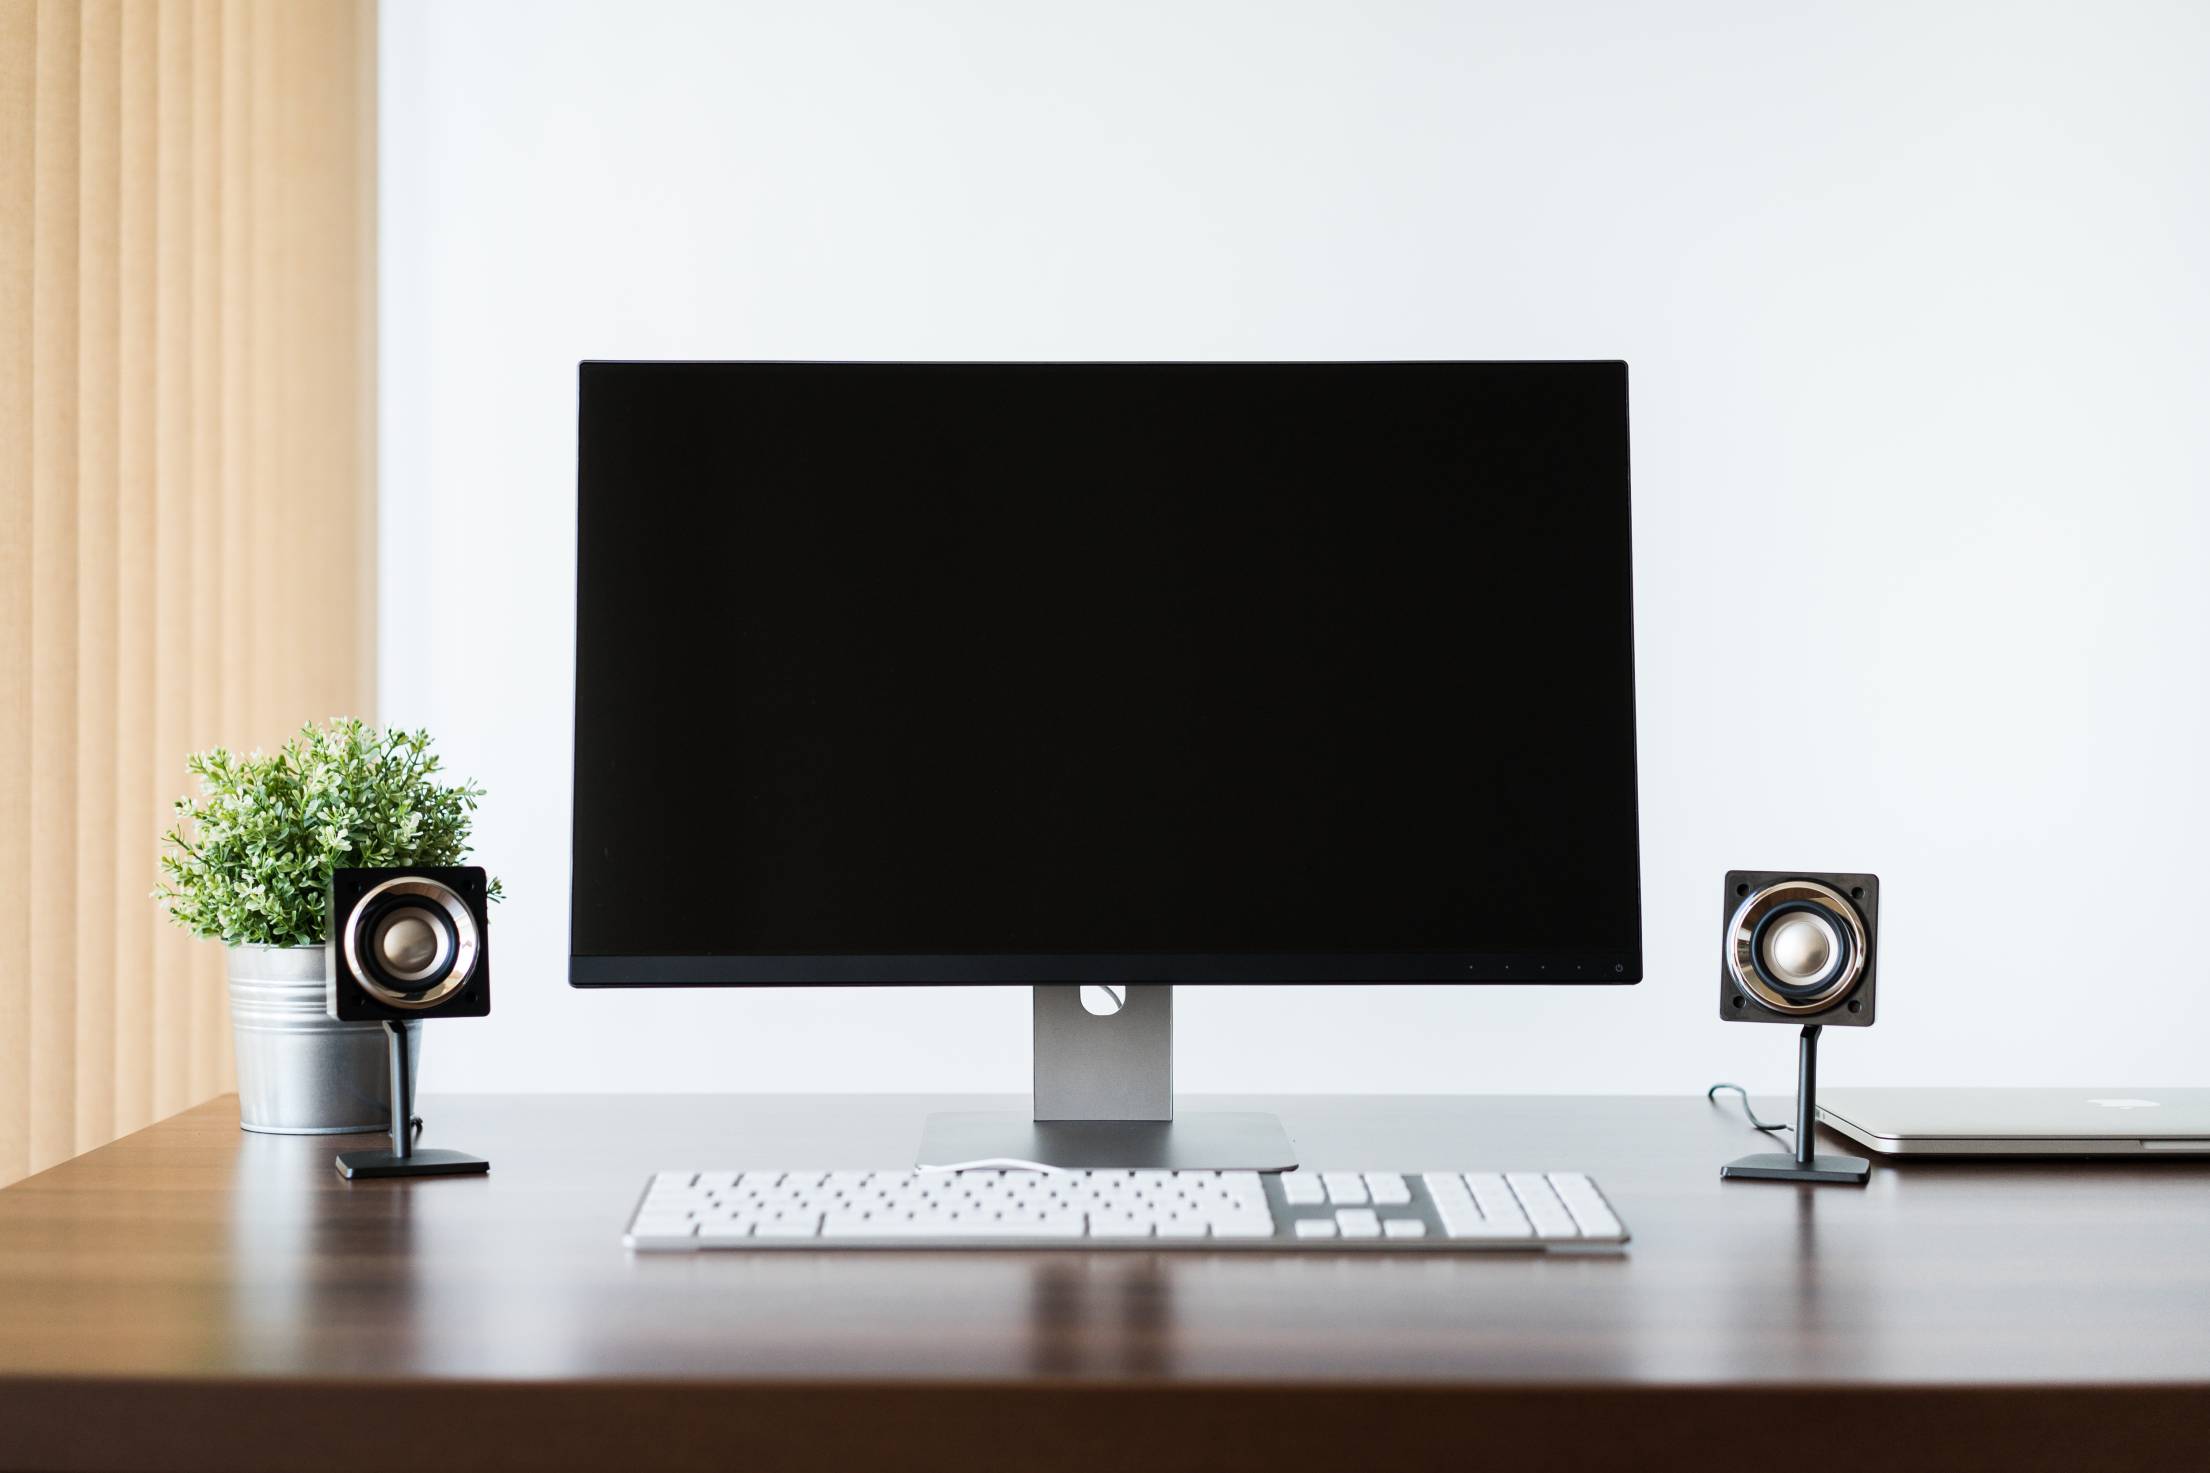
(945, 969)
(1537, 967)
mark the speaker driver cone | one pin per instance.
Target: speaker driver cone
(410, 942)
(1797, 946)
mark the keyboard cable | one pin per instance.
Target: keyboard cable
(993, 1163)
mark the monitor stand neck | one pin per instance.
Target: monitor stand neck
(1114, 1067)
(1104, 1097)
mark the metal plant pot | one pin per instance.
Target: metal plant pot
(300, 1071)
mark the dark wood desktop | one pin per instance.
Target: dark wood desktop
(195, 1298)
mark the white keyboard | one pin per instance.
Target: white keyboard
(1337, 1211)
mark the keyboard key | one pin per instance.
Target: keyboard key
(1496, 1201)
(1586, 1204)
(1462, 1220)
(1447, 1190)
(1544, 1209)
(947, 1229)
(1315, 1227)
(1388, 1189)
(1050, 1226)
(1300, 1190)
(855, 1225)
(1243, 1227)
(1358, 1222)
(664, 1237)
(1345, 1188)
(1462, 1215)
(1404, 1227)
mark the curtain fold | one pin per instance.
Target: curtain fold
(187, 369)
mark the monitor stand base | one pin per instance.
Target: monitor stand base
(1104, 1098)
(1203, 1140)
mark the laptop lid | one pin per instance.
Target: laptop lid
(2120, 1119)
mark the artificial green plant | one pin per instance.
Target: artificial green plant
(249, 860)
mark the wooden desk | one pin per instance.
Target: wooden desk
(195, 1298)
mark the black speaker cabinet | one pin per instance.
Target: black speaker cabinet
(1799, 946)
(408, 943)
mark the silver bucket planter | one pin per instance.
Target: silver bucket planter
(300, 1071)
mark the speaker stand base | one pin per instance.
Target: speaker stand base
(405, 1158)
(1780, 1166)
(420, 1162)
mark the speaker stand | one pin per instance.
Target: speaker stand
(403, 1159)
(1803, 1165)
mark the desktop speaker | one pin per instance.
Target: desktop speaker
(408, 943)
(405, 945)
(1799, 947)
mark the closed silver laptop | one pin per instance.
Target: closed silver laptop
(2022, 1122)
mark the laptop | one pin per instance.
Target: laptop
(2022, 1122)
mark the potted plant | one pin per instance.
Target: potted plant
(248, 864)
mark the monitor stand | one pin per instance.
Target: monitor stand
(1105, 1098)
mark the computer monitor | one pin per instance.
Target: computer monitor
(1130, 674)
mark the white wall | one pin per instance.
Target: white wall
(1915, 300)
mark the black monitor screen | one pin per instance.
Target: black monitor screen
(1069, 672)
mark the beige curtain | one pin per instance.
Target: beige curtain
(187, 355)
